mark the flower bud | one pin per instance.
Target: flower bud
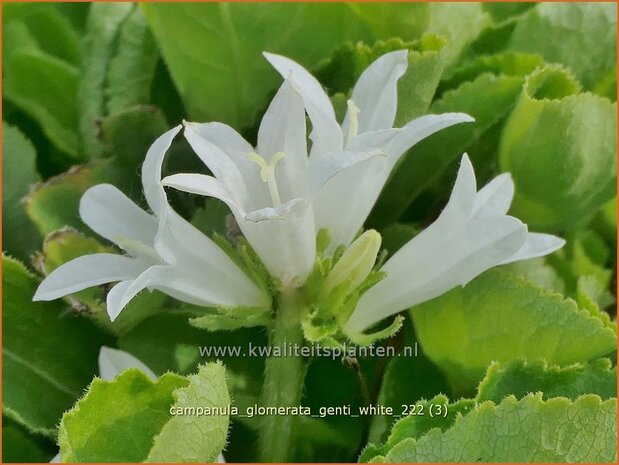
(356, 263)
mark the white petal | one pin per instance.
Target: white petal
(111, 214)
(375, 93)
(201, 184)
(445, 255)
(113, 362)
(206, 287)
(325, 166)
(495, 197)
(180, 243)
(87, 271)
(326, 134)
(275, 213)
(286, 243)
(56, 459)
(283, 130)
(343, 203)
(420, 128)
(151, 171)
(115, 300)
(463, 194)
(536, 245)
(225, 153)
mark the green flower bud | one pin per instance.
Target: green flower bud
(356, 263)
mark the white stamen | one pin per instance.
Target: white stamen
(133, 246)
(267, 173)
(353, 123)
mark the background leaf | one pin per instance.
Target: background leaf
(19, 236)
(48, 355)
(213, 49)
(502, 317)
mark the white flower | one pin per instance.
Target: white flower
(472, 234)
(164, 251)
(269, 188)
(344, 203)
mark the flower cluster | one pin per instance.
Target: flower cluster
(282, 193)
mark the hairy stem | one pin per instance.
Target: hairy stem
(283, 380)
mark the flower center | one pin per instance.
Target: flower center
(267, 173)
(353, 122)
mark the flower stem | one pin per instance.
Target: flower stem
(283, 380)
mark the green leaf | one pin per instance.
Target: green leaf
(537, 270)
(133, 419)
(584, 37)
(204, 437)
(560, 147)
(18, 445)
(52, 105)
(415, 88)
(128, 134)
(52, 31)
(116, 421)
(458, 23)
(20, 237)
(520, 378)
(48, 355)
(55, 204)
(66, 244)
(503, 317)
(214, 51)
(132, 69)
(103, 28)
(407, 380)
(502, 11)
(528, 430)
(422, 416)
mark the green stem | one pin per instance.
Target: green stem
(283, 380)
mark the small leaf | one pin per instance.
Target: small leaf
(132, 69)
(103, 26)
(563, 160)
(502, 317)
(53, 105)
(116, 421)
(20, 237)
(201, 438)
(520, 378)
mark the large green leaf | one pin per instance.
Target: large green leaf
(19, 445)
(133, 419)
(48, 355)
(20, 238)
(560, 147)
(582, 36)
(502, 317)
(519, 378)
(52, 105)
(214, 50)
(527, 430)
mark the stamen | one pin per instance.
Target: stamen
(131, 245)
(267, 173)
(353, 122)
